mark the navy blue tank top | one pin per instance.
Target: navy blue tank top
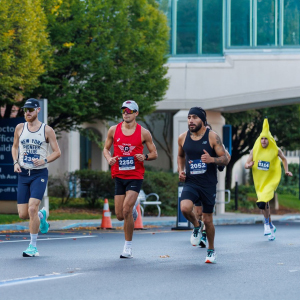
(198, 172)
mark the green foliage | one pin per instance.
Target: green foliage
(290, 181)
(98, 185)
(24, 48)
(58, 186)
(105, 52)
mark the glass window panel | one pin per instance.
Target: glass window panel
(212, 27)
(187, 26)
(266, 22)
(166, 7)
(240, 23)
(291, 23)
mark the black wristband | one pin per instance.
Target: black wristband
(146, 156)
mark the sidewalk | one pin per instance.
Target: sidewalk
(222, 219)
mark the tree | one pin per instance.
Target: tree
(24, 49)
(105, 52)
(246, 127)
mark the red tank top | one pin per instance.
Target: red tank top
(125, 147)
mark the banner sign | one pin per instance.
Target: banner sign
(8, 179)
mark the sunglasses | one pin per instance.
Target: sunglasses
(127, 110)
(29, 109)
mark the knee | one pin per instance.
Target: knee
(208, 221)
(32, 210)
(126, 212)
(119, 216)
(23, 215)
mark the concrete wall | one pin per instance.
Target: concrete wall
(237, 82)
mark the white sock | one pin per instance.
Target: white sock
(41, 216)
(128, 244)
(33, 238)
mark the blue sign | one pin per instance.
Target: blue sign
(8, 179)
(182, 222)
(227, 137)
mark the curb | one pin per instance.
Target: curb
(12, 227)
(290, 218)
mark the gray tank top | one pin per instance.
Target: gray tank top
(32, 145)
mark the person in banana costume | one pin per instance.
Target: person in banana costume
(266, 170)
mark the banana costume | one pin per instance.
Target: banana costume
(267, 167)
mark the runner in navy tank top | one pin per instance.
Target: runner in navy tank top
(199, 152)
(31, 158)
(127, 166)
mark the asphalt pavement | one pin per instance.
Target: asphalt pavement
(86, 265)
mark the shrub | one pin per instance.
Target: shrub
(58, 186)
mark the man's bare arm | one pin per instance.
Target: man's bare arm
(285, 164)
(249, 163)
(222, 159)
(108, 143)
(147, 138)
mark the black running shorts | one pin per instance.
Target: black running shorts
(200, 195)
(124, 185)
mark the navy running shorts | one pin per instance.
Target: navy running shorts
(200, 195)
(124, 185)
(31, 185)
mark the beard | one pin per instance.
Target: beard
(31, 119)
(197, 128)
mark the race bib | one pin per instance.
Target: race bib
(263, 165)
(126, 163)
(197, 167)
(27, 159)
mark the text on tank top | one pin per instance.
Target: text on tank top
(125, 147)
(32, 145)
(198, 172)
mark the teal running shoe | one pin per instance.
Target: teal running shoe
(31, 251)
(44, 225)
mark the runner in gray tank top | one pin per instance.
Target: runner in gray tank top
(199, 153)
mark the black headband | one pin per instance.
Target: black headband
(198, 111)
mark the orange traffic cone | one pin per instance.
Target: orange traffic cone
(138, 224)
(106, 216)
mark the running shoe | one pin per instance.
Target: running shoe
(44, 225)
(134, 210)
(267, 229)
(272, 235)
(196, 234)
(31, 251)
(203, 242)
(127, 253)
(211, 257)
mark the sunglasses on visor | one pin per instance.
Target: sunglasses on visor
(127, 110)
(29, 109)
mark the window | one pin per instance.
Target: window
(212, 18)
(239, 22)
(266, 22)
(187, 27)
(291, 36)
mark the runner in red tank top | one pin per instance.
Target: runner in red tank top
(127, 166)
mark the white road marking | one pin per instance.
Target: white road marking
(50, 239)
(34, 279)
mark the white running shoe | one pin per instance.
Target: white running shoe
(127, 253)
(267, 229)
(134, 210)
(272, 235)
(196, 235)
(211, 257)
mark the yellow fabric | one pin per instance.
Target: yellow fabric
(266, 179)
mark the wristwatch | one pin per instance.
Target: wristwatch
(45, 160)
(15, 161)
(146, 156)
